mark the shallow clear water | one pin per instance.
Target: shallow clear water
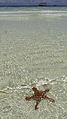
(33, 52)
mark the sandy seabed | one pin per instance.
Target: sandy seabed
(33, 52)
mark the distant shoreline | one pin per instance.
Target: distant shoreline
(33, 5)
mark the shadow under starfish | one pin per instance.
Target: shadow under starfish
(38, 96)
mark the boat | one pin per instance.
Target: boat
(42, 4)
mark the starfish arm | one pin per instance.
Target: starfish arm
(46, 90)
(50, 99)
(35, 90)
(29, 98)
(37, 102)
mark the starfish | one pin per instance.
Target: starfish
(38, 96)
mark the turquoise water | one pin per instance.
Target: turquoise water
(32, 8)
(33, 52)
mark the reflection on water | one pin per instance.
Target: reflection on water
(33, 52)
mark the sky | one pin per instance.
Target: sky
(32, 2)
